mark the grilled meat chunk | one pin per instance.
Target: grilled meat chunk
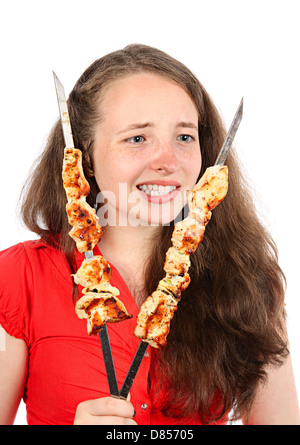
(153, 322)
(86, 231)
(187, 235)
(74, 181)
(100, 308)
(93, 271)
(176, 263)
(100, 304)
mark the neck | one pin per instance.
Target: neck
(128, 249)
(128, 243)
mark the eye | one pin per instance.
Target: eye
(185, 138)
(136, 139)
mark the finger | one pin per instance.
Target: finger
(108, 406)
(110, 420)
(88, 419)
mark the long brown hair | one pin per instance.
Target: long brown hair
(229, 325)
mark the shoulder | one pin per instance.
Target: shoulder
(15, 288)
(13, 262)
(27, 270)
(26, 259)
(20, 250)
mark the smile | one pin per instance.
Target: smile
(156, 190)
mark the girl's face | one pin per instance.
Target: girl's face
(146, 152)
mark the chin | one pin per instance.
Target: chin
(160, 216)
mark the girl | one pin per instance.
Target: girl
(142, 120)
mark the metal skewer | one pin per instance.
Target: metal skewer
(230, 135)
(103, 334)
(137, 360)
(109, 363)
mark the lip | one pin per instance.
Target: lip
(163, 182)
(163, 198)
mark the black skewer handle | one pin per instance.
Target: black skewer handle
(109, 364)
(137, 360)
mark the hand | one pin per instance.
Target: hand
(105, 411)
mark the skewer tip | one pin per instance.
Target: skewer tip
(56, 80)
(242, 104)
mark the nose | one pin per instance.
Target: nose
(164, 158)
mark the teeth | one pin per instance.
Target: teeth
(156, 190)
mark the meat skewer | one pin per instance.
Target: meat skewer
(86, 232)
(99, 302)
(156, 313)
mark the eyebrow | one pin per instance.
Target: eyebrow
(187, 125)
(139, 126)
(136, 126)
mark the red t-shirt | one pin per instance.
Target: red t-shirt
(65, 364)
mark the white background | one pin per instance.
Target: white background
(235, 47)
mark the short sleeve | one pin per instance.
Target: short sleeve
(15, 285)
